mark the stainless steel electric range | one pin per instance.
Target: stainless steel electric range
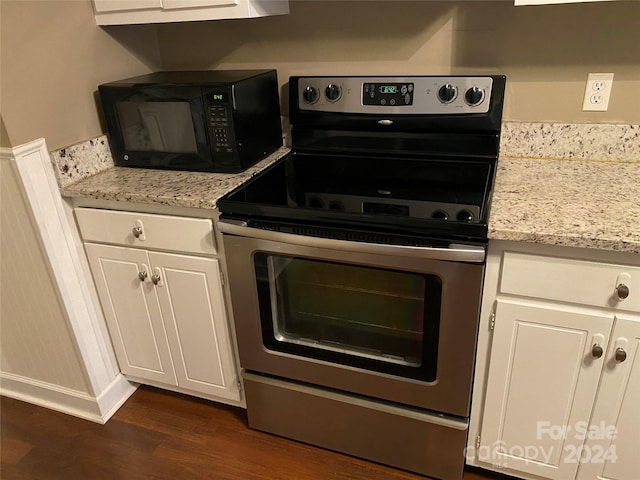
(356, 265)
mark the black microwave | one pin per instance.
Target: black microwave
(201, 121)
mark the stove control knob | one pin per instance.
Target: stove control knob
(474, 96)
(310, 94)
(447, 93)
(440, 215)
(464, 216)
(333, 92)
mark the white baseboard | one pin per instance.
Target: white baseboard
(66, 400)
(114, 396)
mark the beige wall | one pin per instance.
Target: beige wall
(53, 58)
(545, 51)
(4, 136)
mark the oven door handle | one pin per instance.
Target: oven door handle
(454, 253)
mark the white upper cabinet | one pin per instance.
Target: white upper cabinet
(121, 12)
(103, 6)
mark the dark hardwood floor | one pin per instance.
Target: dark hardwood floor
(163, 435)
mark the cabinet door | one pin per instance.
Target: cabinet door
(612, 450)
(542, 380)
(132, 311)
(123, 12)
(125, 5)
(171, 4)
(190, 294)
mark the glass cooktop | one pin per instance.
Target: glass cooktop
(418, 195)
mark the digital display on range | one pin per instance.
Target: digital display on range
(387, 94)
(388, 89)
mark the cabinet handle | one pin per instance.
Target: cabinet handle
(620, 355)
(622, 291)
(155, 278)
(138, 231)
(597, 351)
(142, 275)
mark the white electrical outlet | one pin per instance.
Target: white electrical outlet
(597, 92)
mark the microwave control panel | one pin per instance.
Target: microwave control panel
(220, 123)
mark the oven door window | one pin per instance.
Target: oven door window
(381, 320)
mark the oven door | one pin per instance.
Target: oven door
(391, 322)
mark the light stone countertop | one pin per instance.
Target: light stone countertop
(578, 203)
(572, 185)
(164, 187)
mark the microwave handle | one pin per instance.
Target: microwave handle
(453, 253)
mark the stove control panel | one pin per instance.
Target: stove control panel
(419, 95)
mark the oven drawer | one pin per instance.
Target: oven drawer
(572, 281)
(162, 232)
(401, 437)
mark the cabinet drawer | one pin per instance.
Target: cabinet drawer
(164, 232)
(568, 280)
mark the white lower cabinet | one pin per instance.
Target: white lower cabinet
(557, 386)
(612, 448)
(190, 296)
(165, 313)
(543, 375)
(132, 311)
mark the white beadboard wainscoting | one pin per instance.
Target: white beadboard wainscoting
(55, 350)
